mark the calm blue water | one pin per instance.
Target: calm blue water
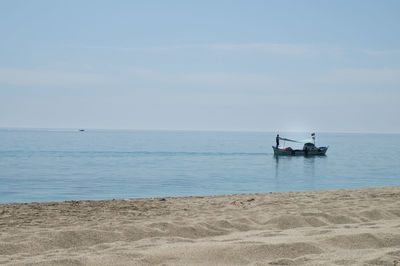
(42, 165)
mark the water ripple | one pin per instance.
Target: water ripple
(130, 153)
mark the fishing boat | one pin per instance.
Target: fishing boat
(309, 148)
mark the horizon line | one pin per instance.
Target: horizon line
(190, 130)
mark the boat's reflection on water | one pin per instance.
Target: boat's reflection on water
(294, 173)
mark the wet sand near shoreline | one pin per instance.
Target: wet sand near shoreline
(342, 227)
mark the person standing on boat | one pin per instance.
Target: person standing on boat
(277, 141)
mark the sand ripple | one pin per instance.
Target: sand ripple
(346, 227)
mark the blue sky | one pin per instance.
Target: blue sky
(201, 65)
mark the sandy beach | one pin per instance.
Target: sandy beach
(343, 227)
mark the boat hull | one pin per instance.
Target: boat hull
(290, 152)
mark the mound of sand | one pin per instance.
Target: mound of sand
(344, 227)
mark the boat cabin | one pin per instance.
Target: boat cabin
(309, 147)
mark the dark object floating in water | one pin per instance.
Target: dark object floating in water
(81, 130)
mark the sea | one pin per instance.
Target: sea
(61, 165)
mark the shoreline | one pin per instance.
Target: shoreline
(335, 227)
(189, 197)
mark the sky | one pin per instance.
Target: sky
(313, 66)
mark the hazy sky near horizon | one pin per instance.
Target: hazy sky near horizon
(201, 65)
